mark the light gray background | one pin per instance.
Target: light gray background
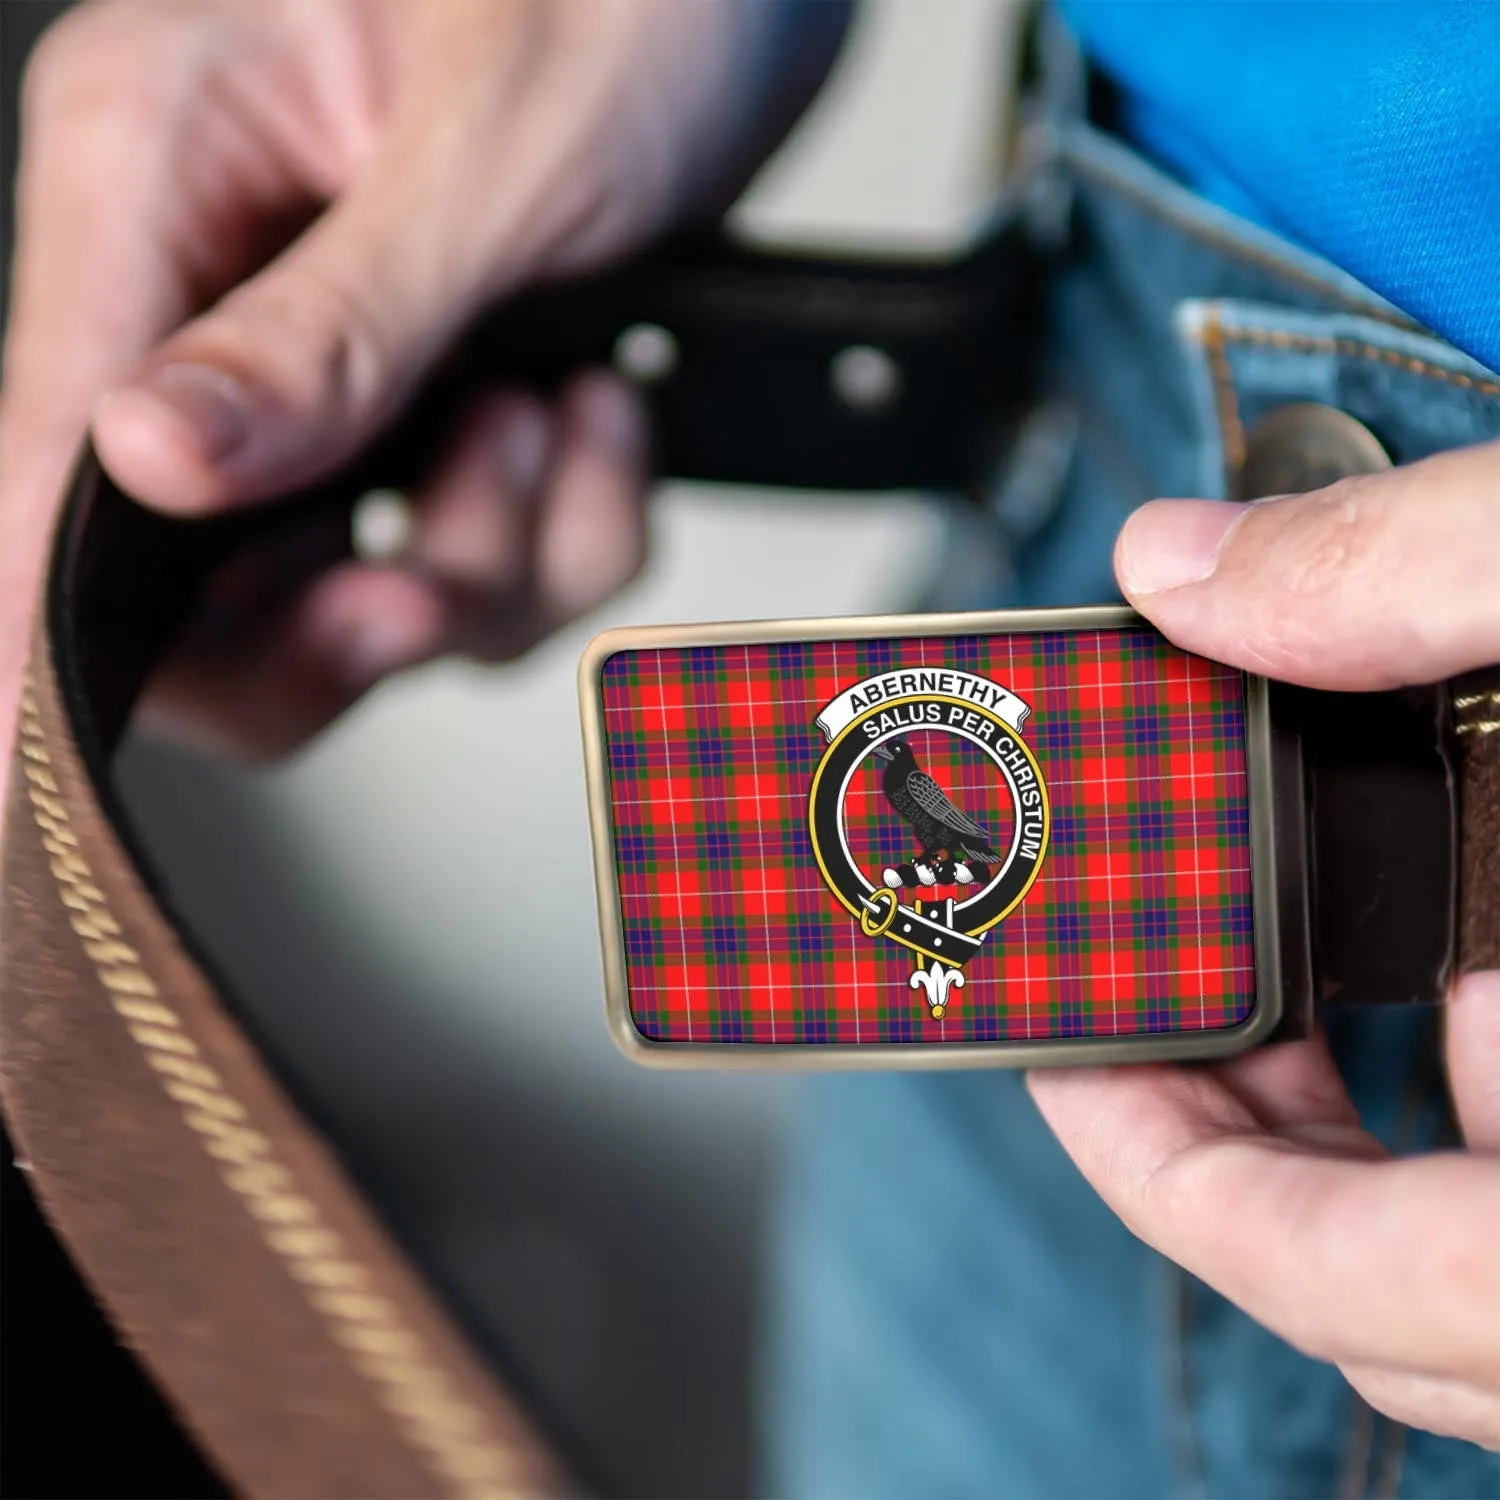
(434, 985)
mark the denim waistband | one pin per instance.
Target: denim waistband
(1174, 326)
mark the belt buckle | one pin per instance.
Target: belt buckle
(1012, 838)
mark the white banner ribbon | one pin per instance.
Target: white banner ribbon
(922, 682)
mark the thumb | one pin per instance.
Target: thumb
(1379, 581)
(292, 372)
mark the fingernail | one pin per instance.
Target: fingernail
(611, 417)
(211, 405)
(523, 443)
(375, 647)
(1169, 543)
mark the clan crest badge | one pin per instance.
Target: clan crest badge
(970, 851)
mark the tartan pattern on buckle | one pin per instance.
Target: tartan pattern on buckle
(1140, 919)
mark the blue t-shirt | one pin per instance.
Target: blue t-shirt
(1366, 130)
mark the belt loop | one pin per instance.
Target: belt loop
(1062, 74)
(1052, 97)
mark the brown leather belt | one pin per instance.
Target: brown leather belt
(232, 1249)
(1476, 726)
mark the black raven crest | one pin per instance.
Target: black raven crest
(943, 830)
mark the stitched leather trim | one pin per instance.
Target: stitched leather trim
(214, 1226)
(1474, 706)
(446, 1430)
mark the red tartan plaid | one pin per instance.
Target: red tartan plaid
(1139, 920)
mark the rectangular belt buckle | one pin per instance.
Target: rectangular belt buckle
(1025, 838)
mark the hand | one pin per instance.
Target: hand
(247, 228)
(1256, 1175)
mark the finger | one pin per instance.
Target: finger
(269, 691)
(83, 192)
(1380, 1262)
(1296, 1090)
(476, 513)
(591, 535)
(583, 533)
(87, 186)
(1472, 1022)
(92, 287)
(280, 652)
(296, 368)
(283, 380)
(535, 516)
(145, 188)
(476, 530)
(1375, 582)
(469, 581)
(1453, 1408)
(1293, 1089)
(127, 220)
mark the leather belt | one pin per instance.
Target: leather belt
(230, 1245)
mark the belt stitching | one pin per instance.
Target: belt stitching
(1466, 722)
(367, 1327)
(1226, 396)
(1353, 348)
(1213, 335)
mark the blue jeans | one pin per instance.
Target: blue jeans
(952, 1310)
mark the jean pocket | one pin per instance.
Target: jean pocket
(1415, 393)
